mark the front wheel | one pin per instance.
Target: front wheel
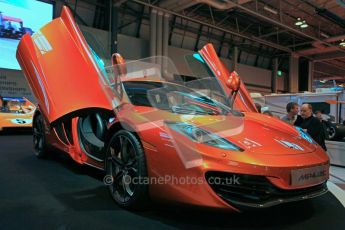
(126, 166)
(39, 138)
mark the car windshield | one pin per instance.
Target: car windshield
(155, 82)
(172, 97)
(193, 73)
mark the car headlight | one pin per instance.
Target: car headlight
(202, 136)
(305, 135)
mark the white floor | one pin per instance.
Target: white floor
(337, 176)
(336, 183)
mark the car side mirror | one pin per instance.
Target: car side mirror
(118, 63)
(120, 70)
(233, 82)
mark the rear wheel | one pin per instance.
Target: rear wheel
(39, 140)
(333, 132)
(126, 165)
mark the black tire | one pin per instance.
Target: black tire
(330, 130)
(39, 138)
(125, 160)
(333, 133)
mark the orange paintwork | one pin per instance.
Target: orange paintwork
(234, 81)
(243, 102)
(58, 65)
(119, 62)
(334, 102)
(66, 81)
(20, 116)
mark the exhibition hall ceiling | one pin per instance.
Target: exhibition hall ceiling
(313, 29)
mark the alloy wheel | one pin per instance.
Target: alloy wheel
(123, 168)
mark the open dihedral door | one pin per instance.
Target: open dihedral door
(65, 75)
(243, 101)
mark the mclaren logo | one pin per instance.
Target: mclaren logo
(312, 175)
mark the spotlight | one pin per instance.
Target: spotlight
(299, 22)
(304, 25)
(342, 43)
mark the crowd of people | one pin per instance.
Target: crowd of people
(304, 118)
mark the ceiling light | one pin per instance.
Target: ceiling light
(304, 25)
(342, 43)
(271, 10)
(299, 22)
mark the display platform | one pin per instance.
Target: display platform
(336, 152)
(56, 193)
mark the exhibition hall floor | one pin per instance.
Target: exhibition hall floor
(57, 193)
(337, 176)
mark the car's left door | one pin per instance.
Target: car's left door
(65, 75)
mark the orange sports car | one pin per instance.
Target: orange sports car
(162, 136)
(15, 113)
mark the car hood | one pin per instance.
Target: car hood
(253, 132)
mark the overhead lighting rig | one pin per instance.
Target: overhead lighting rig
(301, 23)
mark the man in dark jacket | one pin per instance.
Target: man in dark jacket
(311, 125)
(318, 115)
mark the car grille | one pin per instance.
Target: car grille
(256, 191)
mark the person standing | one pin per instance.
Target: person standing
(311, 124)
(319, 116)
(292, 111)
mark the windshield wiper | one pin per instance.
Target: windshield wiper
(206, 101)
(178, 109)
